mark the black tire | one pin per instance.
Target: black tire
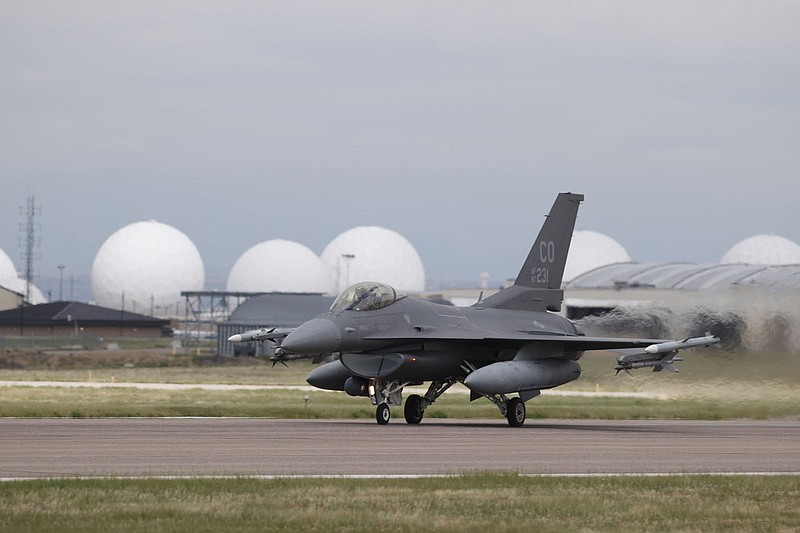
(413, 410)
(383, 414)
(515, 412)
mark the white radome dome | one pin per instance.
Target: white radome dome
(764, 250)
(590, 250)
(279, 266)
(20, 286)
(150, 263)
(7, 269)
(373, 253)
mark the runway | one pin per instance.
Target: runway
(236, 446)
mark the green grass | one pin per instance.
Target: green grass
(472, 503)
(246, 372)
(124, 401)
(711, 385)
(700, 368)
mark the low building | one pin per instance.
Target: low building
(268, 310)
(610, 286)
(10, 299)
(79, 319)
(746, 305)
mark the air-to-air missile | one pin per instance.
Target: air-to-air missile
(661, 356)
(672, 346)
(260, 335)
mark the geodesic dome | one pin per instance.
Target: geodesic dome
(7, 269)
(279, 266)
(150, 263)
(590, 250)
(764, 250)
(373, 253)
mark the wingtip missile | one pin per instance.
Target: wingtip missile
(246, 336)
(260, 335)
(673, 346)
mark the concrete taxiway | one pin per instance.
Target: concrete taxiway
(235, 446)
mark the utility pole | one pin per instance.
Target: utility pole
(61, 268)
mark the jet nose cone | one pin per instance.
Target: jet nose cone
(316, 336)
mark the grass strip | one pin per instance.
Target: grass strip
(480, 502)
(37, 402)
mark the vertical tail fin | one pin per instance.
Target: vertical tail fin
(538, 284)
(544, 267)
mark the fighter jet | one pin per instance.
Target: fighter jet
(380, 341)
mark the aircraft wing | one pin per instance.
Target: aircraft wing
(652, 347)
(579, 342)
(517, 339)
(636, 353)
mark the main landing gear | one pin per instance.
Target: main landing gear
(383, 394)
(414, 409)
(512, 408)
(515, 412)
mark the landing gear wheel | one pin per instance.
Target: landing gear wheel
(515, 412)
(382, 414)
(413, 410)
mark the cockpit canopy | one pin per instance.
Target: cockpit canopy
(366, 296)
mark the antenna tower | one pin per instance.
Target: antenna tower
(29, 241)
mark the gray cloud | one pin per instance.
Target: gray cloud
(454, 124)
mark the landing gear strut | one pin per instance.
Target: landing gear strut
(383, 394)
(416, 404)
(511, 408)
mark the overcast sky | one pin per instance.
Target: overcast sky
(453, 123)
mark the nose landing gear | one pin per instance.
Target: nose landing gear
(383, 414)
(383, 394)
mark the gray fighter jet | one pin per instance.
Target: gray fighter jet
(379, 340)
